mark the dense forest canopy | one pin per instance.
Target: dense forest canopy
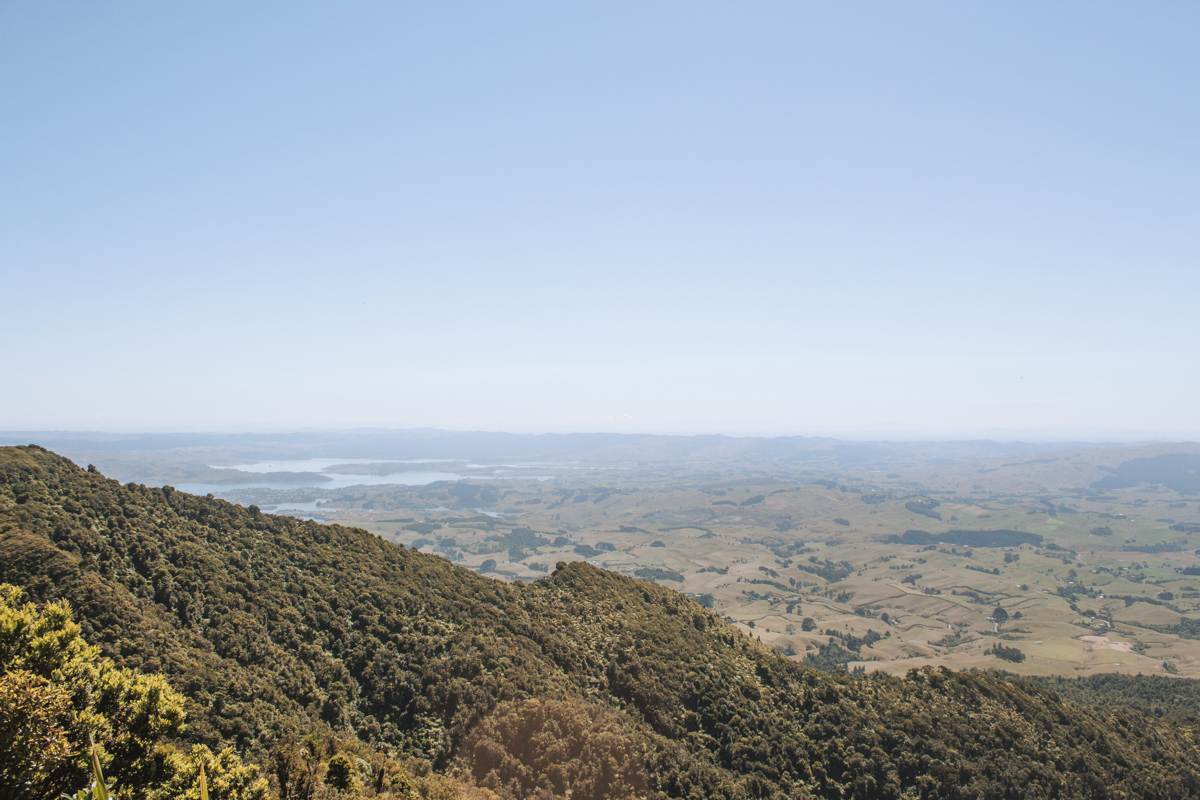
(339, 663)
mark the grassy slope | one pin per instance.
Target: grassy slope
(272, 626)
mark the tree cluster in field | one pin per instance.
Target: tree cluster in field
(340, 663)
(1014, 654)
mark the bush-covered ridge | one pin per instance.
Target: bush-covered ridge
(73, 726)
(272, 628)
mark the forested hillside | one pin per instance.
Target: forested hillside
(279, 633)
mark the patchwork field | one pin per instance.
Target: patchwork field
(1045, 566)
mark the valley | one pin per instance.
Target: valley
(1091, 582)
(849, 556)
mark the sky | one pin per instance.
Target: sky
(867, 220)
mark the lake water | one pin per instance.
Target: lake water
(322, 464)
(322, 478)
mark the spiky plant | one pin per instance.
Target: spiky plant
(97, 789)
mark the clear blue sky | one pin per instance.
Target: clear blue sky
(869, 219)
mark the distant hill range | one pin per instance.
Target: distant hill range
(589, 448)
(1177, 471)
(190, 458)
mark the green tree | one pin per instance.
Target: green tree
(339, 773)
(229, 778)
(999, 616)
(57, 693)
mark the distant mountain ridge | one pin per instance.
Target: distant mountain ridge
(1177, 471)
(498, 446)
(273, 627)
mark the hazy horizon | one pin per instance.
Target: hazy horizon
(10, 433)
(909, 222)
